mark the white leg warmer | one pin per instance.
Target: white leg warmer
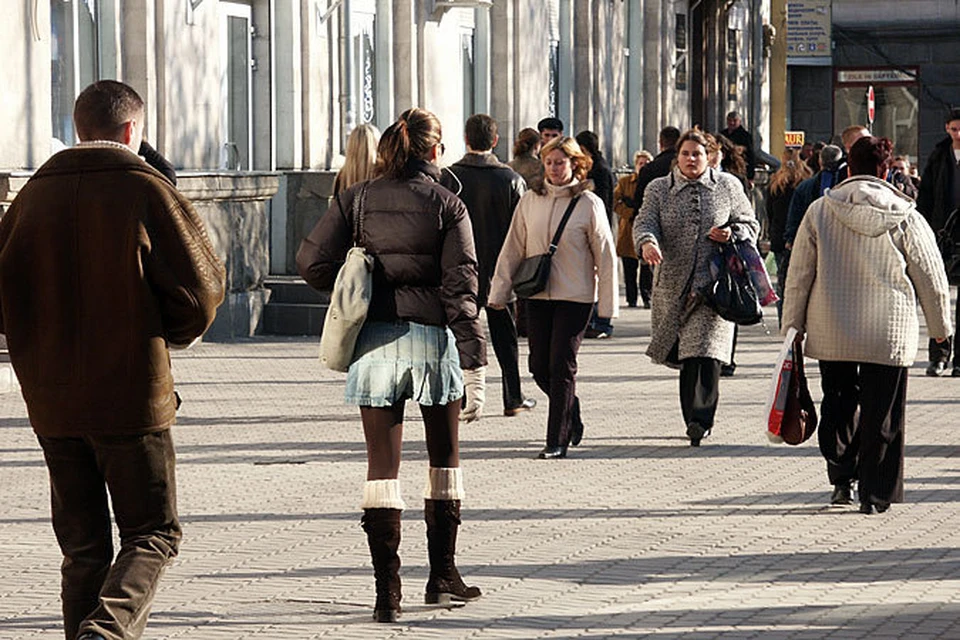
(444, 483)
(382, 494)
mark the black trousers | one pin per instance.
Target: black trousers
(646, 283)
(555, 331)
(940, 351)
(638, 278)
(631, 267)
(503, 336)
(869, 447)
(100, 593)
(699, 390)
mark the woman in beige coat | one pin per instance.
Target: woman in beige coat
(584, 271)
(861, 260)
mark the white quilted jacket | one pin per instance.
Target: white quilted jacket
(862, 259)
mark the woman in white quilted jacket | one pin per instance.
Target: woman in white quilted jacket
(862, 259)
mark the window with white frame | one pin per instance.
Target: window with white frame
(553, 13)
(363, 25)
(81, 51)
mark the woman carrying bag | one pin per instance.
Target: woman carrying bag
(862, 261)
(422, 338)
(583, 271)
(681, 214)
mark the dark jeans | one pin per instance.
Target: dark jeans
(555, 332)
(600, 324)
(699, 390)
(940, 351)
(869, 447)
(503, 336)
(138, 470)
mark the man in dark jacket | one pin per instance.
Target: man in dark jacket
(661, 164)
(830, 174)
(125, 269)
(741, 137)
(939, 195)
(491, 191)
(657, 168)
(603, 184)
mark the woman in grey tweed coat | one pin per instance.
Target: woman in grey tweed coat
(676, 230)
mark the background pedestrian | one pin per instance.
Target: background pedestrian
(491, 191)
(625, 204)
(361, 156)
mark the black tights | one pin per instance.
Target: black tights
(383, 431)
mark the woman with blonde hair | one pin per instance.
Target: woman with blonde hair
(783, 183)
(583, 271)
(422, 339)
(360, 158)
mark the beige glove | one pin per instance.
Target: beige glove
(474, 387)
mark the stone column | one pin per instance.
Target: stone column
(288, 86)
(503, 56)
(583, 66)
(138, 60)
(405, 71)
(25, 77)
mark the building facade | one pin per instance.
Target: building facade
(906, 51)
(264, 92)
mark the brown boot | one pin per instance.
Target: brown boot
(383, 537)
(445, 584)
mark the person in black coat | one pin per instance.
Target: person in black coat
(157, 161)
(659, 167)
(741, 137)
(491, 191)
(939, 195)
(603, 185)
(661, 164)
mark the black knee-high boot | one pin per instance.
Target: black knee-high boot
(383, 537)
(445, 584)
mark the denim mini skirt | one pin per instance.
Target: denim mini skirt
(397, 361)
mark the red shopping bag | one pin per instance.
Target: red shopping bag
(800, 414)
(780, 388)
(791, 413)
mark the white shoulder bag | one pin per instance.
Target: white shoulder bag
(349, 300)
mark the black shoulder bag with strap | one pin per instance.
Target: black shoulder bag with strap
(732, 294)
(533, 273)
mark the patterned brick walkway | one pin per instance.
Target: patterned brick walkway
(636, 535)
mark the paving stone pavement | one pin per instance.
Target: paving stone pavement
(636, 535)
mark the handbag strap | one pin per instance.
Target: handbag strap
(563, 223)
(358, 201)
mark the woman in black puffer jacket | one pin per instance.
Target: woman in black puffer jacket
(422, 341)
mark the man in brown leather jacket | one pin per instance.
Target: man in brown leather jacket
(103, 266)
